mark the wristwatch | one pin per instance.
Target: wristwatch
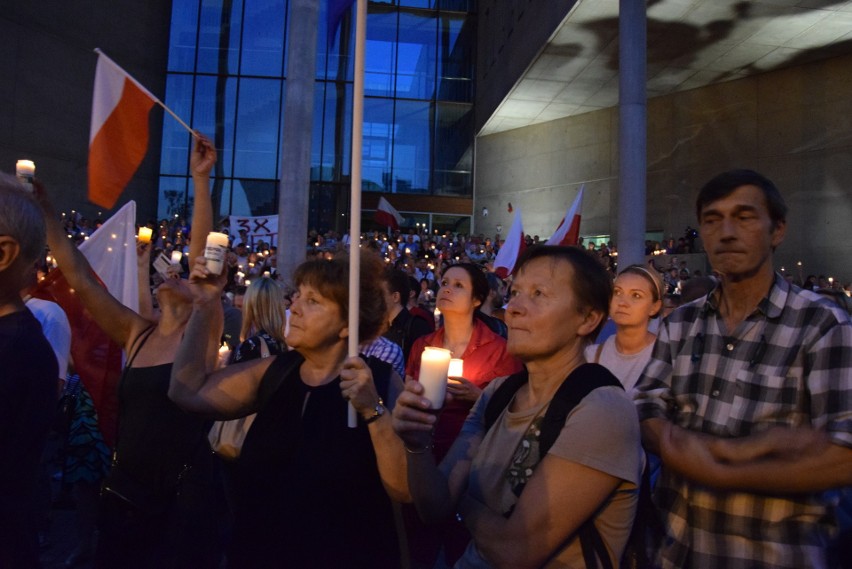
(377, 412)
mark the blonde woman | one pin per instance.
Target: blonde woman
(264, 316)
(636, 299)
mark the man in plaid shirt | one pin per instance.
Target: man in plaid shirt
(748, 399)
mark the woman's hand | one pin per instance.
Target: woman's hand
(143, 255)
(203, 156)
(412, 421)
(206, 287)
(356, 386)
(463, 390)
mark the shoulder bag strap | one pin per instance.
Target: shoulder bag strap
(283, 365)
(502, 396)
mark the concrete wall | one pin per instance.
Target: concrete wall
(48, 70)
(793, 125)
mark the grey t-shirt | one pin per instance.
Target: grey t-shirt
(602, 433)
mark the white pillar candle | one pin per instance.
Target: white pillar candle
(215, 251)
(434, 365)
(145, 234)
(456, 368)
(176, 257)
(224, 355)
(25, 169)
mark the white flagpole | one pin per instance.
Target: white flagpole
(355, 207)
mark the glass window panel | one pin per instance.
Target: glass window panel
(453, 149)
(254, 197)
(455, 47)
(458, 5)
(380, 56)
(219, 36)
(256, 147)
(416, 56)
(376, 151)
(412, 147)
(451, 224)
(263, 38)
(172, 196)
(337, 132)
(184, 30)
(174, 156)
(335, 57)
(419, 3)
(221, 197)
(207, 115)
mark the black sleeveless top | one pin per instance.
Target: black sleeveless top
(308, 492)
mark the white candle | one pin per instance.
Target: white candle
(215, 251)
(224, 354)
(176, 257)
(434, 365)
(25, 169)
(145, 234)
(456, 368)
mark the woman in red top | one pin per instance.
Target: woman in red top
(463, 290)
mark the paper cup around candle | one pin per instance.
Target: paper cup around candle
(456, 368)
(145, 234)
(434, 365)
(215, 251)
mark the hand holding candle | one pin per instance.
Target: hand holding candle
(434, 366)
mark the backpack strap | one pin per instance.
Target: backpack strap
(502, 396)
(278, 370)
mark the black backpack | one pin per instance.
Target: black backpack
(579, 383)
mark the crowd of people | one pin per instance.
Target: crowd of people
(603, 414)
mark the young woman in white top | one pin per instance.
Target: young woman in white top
(636, 299)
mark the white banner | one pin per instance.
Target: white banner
(258, 228)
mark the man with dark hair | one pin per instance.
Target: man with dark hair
(748, 399)
(28, 374)
(403, 327)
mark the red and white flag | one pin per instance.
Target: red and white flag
(111, 252)
(118, 140)
(386, 214)
(507, 257)
(568, 232)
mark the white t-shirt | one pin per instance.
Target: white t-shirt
(626, 367)
(55, 327)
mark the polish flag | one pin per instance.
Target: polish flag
(118, 140)
(507, 257)
(568, 232)
(387, 215)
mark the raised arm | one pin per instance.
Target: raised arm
(119, 322)
(143, 274)
(201, 162)
(224, 394)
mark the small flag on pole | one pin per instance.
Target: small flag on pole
(507, 257)
(118, 140)
(568, 232)
(387, 215)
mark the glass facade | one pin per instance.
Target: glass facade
(227, 76)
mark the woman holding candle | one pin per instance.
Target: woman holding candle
(524, 510)
(158, 508)
(463, 289)
(636, 300)
(308, 490)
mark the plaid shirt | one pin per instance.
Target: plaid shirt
(789, 363)
(388, 352)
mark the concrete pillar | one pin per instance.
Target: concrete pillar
(297, 124)
(632, 132)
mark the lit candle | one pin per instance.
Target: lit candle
(215, 251)
(145, 234)
(176, 257)
(434, 365)
(224, 354)
(456, 368)
(25, 169)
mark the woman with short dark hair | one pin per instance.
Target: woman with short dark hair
(309, 491)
